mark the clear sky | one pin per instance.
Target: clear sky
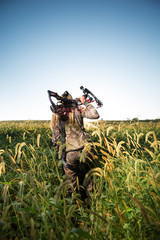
(110, 47)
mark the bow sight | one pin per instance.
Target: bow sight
(90, 97)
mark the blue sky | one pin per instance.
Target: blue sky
(110, 47)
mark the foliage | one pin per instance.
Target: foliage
(124, 203)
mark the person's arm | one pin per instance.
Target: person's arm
(90, 111)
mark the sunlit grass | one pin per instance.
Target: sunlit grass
(34, 201)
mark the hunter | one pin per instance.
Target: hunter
(68, 127)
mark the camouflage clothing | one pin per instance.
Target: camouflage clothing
(76, 138)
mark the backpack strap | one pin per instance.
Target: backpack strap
(63, 133)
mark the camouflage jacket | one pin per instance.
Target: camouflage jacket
(75, 136)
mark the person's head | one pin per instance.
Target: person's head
(68, 113)
(67, 95)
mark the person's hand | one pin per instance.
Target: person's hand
(82, 99)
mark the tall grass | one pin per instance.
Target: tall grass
(125, 201)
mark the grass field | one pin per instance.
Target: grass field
(125, 202)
